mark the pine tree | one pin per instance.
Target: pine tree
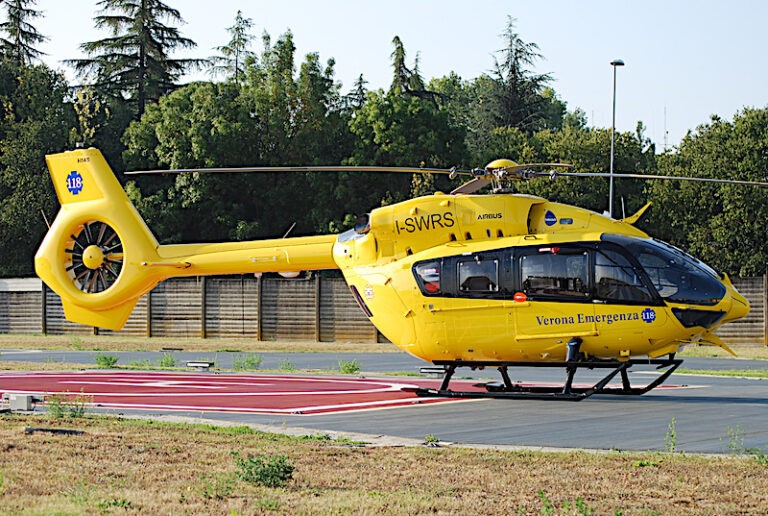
(231, 60)
(21, 35)
(134, 61)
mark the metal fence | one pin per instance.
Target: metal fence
(320, 309)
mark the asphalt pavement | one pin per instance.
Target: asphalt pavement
(704, 413)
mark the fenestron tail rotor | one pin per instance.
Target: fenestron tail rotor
(95, 256)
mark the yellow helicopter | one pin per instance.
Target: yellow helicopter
(459, 280)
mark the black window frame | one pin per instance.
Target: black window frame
(510, 274)
(570, 248)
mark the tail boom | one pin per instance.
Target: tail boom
(100, 257)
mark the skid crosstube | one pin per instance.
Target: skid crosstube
(567, 392)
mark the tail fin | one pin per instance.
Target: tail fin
(91, 255)
(101, 257)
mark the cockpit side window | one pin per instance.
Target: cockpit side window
(676, 276)
(616, 279)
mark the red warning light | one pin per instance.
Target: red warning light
(520, 297)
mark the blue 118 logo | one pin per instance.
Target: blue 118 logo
(74, 182)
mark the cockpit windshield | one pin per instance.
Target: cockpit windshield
(677, 276)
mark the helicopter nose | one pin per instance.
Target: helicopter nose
(739, 306)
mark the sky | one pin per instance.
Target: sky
(684, 60)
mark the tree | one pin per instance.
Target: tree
(272, 118)
(37, 118)
(233, 55)
(724, 225)
(21, 35)
(512, 95)
(356, 97)
(134, 63)
(406, 81)
(519, 95)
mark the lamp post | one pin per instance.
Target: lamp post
(615, 63)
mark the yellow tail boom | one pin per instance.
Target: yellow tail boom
(100, 256)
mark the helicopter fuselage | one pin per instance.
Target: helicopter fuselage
(502, 278)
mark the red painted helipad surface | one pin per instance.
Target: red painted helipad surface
(250, 393)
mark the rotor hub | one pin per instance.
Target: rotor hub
(93, 257)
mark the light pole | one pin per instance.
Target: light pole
(615, 63)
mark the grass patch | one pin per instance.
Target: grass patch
(247, 362)
(286, 365)
(167, 360)
(67, 405)
(105, 361)
(161, 468)
(109, 343)
(349, 366)
(273, 471)
(740, 373)
(755, 352)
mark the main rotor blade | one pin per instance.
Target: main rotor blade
(620, 175)
(330, 168)
(472, 186)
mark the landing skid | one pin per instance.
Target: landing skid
(568, 392)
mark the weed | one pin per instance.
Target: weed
(273, 471)
(759, 455)
(645, 463)
(286, 365)
(579, 506)
(76, 343)
(105, 361)
(217, 487)
(670, 439)
(547, 509)
(167, 360)
(81, 493)
(121, 503)
(267, 504)
(247, 362)
(431, 440)
(325, 438)
(140, 364)
(735, 439)
(349, 366)
(316, 437)
(60, 406)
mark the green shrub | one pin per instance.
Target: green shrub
(167, 360)
(217, 487)
(59, 406)
(106, 361)
(272, 471)
(247, 362)
(349, 366)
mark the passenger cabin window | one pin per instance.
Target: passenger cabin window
(428, 276)
(616, 280)
(555, 272)
(478, 276)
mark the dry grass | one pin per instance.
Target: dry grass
(8, 365)
(744, 351)
(112, 343)
(161, 468)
